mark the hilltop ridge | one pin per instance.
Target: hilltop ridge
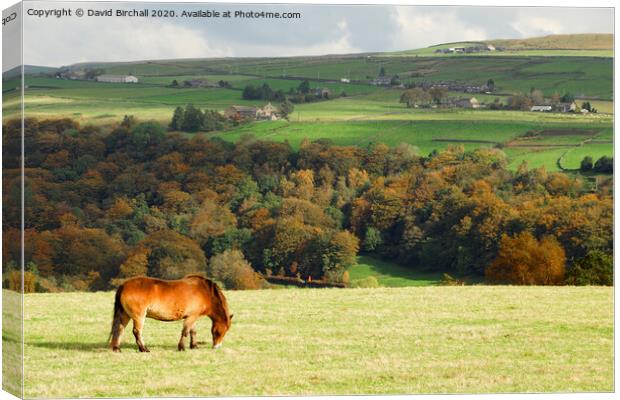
(580, 41)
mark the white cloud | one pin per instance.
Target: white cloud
(321, 30)
(420, 27)
(54, 42)
(529, 26)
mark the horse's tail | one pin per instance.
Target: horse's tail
(118, 311)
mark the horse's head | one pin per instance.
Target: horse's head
(219, 329)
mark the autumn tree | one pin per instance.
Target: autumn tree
(416, 97)
(210, 221)
(136, 264)
(172, 255)
(523, 260)
(232, 269)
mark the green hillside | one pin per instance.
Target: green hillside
(368, 113)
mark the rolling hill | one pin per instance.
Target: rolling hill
(359, 113)
(582, 41)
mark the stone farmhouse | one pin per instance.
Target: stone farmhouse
(267, 112)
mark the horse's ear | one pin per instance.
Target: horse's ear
(231, 315)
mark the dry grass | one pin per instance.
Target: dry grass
(587, 41)
(332, 341)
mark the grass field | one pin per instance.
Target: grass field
(369, 114)
(362, 119)
(477, 339)
(390, 274)
(12, 339)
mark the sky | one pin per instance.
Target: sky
(322, 29)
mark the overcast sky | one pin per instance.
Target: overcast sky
(322, 29)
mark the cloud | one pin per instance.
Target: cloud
(422, 27)
(55, 42)
(537, 26)
(322, 29)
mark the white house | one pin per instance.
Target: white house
(117, 78)
(345, 80)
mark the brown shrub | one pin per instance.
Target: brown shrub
(15, 281)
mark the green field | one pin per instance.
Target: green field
(479, 339)
(573, 158)
(390, 274)
(368, 114)
(361, 119)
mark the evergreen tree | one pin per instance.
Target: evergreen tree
(177, 119)
(192, 119)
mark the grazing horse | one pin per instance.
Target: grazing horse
(188, 299)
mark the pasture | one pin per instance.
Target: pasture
(363, 122)
(390, 274)
(478, 339)
(368, 114)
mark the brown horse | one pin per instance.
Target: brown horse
(188, 299)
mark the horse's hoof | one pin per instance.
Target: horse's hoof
(181, 348)
(116, 349)
(193, 346)
(145, 350)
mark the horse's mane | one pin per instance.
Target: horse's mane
(216, 293)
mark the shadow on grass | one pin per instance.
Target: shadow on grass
(105, 346)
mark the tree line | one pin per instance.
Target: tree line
(104, 204)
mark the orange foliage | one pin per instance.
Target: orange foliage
(211, 220)
(523, 260)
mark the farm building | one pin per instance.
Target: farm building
(72, 75)
(268, 112)
(199, 83)
(241, 112)
(541, 108)
(322, 93)
(468, 103)
(381, 81)
(567, 107)
(195, 83)
(345, 80)
(117, 78)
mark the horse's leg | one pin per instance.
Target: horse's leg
(138, 324)
(193, 344)
(116, 337)
(187, 325)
